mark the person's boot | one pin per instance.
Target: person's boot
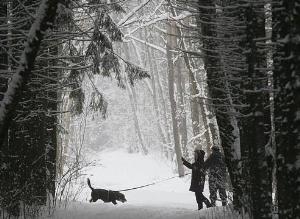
(213, 203)
(200, 206)
(207, 203)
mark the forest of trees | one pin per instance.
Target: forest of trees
(204, 73)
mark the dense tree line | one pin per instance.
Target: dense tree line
(30, 147)
(232, 38)
(218, 78)
(28, 169)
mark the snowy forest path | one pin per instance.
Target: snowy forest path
(118, 170)
(99, 210)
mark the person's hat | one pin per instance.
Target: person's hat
(199, 151)
(215, 148)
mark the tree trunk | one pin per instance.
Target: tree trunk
(286, 34)
(216, 80)
(171, 41)
(18, 165)
(161, 96)
(255, 127)
(44, 20)
(132, 98)
(194, 110)
(150, 59)
(194, 91)
(181, 109)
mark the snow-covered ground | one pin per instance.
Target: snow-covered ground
(128, 211)
(167, 198)
(118, 170)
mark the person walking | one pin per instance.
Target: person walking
(198, 178)
(216, 167)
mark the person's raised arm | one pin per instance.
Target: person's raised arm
(186, 163)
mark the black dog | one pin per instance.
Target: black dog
(106, 195)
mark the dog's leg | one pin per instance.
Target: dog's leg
(114, 202)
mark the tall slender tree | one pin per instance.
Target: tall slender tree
(171, 44)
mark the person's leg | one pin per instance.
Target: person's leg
(206, 201)
(223, 196)
(199, 200)
(212, 191)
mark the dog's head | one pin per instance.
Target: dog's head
(121, 197)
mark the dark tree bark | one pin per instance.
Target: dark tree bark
(31, 141)
(256, 123)
(286, 34)
(3, 51)
(206, 21)
(233, 47)
(21, 155)
(45, 18)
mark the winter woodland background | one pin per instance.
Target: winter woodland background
(148, 81)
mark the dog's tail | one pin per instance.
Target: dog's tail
(89, 184)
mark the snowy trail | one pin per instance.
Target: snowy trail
(107, 211)
(81, 210)
(118, 170)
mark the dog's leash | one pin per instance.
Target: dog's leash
(150, 184)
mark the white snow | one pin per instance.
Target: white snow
(132, 13)
(117, 170)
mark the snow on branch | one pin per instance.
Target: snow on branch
(44, 20)
(158, 48)
(196, 137)
(159, 18)
(133, 12)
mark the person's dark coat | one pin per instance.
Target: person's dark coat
(198, 172)
(215, 164)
